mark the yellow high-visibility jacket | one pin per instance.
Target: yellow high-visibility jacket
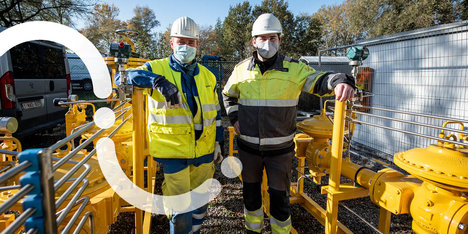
(266, 104)
(172, 131)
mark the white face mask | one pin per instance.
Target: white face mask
(267, 49)
(184, 53)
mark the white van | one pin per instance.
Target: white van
(32, 74)
(79, 74)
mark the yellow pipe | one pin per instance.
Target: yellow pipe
(127, 209)
(363, 178)
(335, 166)
(138, 147)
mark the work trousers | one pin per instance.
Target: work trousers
(278, 170)
(181, 182)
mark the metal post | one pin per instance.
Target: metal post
(335, 167)
(150, 189)
(138, 147)
(48, 191)
(320, 68)
(301, 165)
(384, 220)
(231, 140)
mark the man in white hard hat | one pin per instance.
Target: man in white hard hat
(185, 130)
(261, 98)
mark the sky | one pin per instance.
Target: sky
(204, 12)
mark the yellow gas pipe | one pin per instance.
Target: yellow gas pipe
(436, 205)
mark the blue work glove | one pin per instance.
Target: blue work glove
(147, 79)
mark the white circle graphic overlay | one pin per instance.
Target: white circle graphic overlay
(104, 118)
(231, 167)
(144, 200)
(69, 37)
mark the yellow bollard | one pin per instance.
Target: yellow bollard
(138, 147)
(335, 167)
(231, 141)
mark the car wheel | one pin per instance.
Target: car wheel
(87, 85)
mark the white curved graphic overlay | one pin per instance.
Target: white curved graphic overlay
(231, 167)
(69, 37)
(143, 200)
(104, 117)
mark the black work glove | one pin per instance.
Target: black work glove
(167, 89)
(147, 79)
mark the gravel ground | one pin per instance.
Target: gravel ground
(225, 212)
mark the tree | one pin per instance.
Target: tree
(163, 48)
(374, 18)
(236, 29)
(208, 43)
(462, 9)
(143, 23)
(335, 26)
(223, 49)
(306, 36)
(14, 12)
(102, 26)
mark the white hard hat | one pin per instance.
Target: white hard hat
(184, 27)
(265, 24)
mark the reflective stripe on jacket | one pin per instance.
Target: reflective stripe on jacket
(172, 131)
(266, 104)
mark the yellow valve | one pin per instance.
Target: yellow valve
(319, 126)
(126, 34)
(440, 165)
(452, 136)
(437, 210)
(75, 117)
(318, 150)
(438, 205)
(132, 63)
(392, 190)
(302, 141)
(10, 143)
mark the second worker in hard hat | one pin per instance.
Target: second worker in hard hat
(261, 98)
(184, 121)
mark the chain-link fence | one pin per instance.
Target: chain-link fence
(222, 70)
(423, 71)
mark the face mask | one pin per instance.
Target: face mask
(185, 53)
(267, 49)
